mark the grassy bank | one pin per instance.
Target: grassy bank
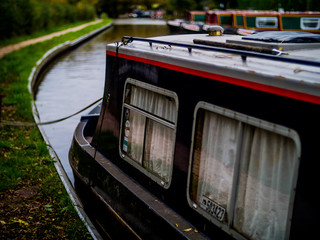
(33, 201)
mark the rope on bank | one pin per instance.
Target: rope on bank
(27, 124)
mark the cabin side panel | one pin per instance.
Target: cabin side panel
(190, 90)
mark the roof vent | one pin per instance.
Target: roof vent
(215, 30)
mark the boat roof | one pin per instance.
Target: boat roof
(296, 72)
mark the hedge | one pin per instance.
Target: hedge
(23, 17)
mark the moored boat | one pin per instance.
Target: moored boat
(262, 21)
(204, 137)
(222, 18)
(176, 25)
(237, 19)
(248, 22)
(196, 16)
(193, 27)
(300, 21)
(195, 22)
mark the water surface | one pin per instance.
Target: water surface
(76, 79)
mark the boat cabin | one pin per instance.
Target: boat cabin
(263, 21)
(196, 16)
(303, 21)
(202, 137)
(221, 18)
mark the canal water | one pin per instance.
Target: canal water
(76, 79)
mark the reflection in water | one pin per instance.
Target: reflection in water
(77, 79)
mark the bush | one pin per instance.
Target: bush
(104, 15)
(22, 17)
(85, 11)
(41, 15)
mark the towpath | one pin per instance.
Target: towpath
(13, 47)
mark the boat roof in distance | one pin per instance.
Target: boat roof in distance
(253, 63)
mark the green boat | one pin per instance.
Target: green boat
(261, 21)
(258, 20)
(196, 16)
(294, 21)
(221, 18)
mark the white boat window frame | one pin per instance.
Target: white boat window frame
(261, 22)
(307, 20)
(262, 124)
(154, 118)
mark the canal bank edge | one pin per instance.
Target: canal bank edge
(33, 81)
(55, 52)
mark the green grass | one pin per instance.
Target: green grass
(33, 201)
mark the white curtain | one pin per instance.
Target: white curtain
(135, 136)
(159, 149)
(154, 103)
(158, 141)
(267, 164)
(267, 167)
(217, 158)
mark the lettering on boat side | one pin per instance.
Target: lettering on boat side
(212, 208)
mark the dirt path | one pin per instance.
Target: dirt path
(13, 47)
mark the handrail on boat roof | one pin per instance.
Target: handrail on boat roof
(244, 54)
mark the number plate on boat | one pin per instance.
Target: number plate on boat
(212, 208)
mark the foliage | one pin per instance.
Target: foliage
(287, 5)
(116, 7)
(41, 33)
(181, 5)
(23, 17)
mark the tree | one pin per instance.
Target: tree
(287, 5)
(181, 6)
(21, 17)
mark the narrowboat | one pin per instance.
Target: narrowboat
(247, 22)
(194, 23)
(175, 25)
(195, 141)
(262, 21)
(303, 21)
(222, 18)
(237, 19)
(196, 16)
(192, 27)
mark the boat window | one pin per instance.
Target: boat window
(310, 23)
(148, 129)
(267, 22)
(243, 172)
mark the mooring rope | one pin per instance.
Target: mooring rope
(27, 124)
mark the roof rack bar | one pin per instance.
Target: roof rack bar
(244, 54)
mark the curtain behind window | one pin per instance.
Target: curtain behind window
(159, 149)
(267, 165)
(217, 158)
(158, 139)
(266, 175)
(154, 103)
(136, 134)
